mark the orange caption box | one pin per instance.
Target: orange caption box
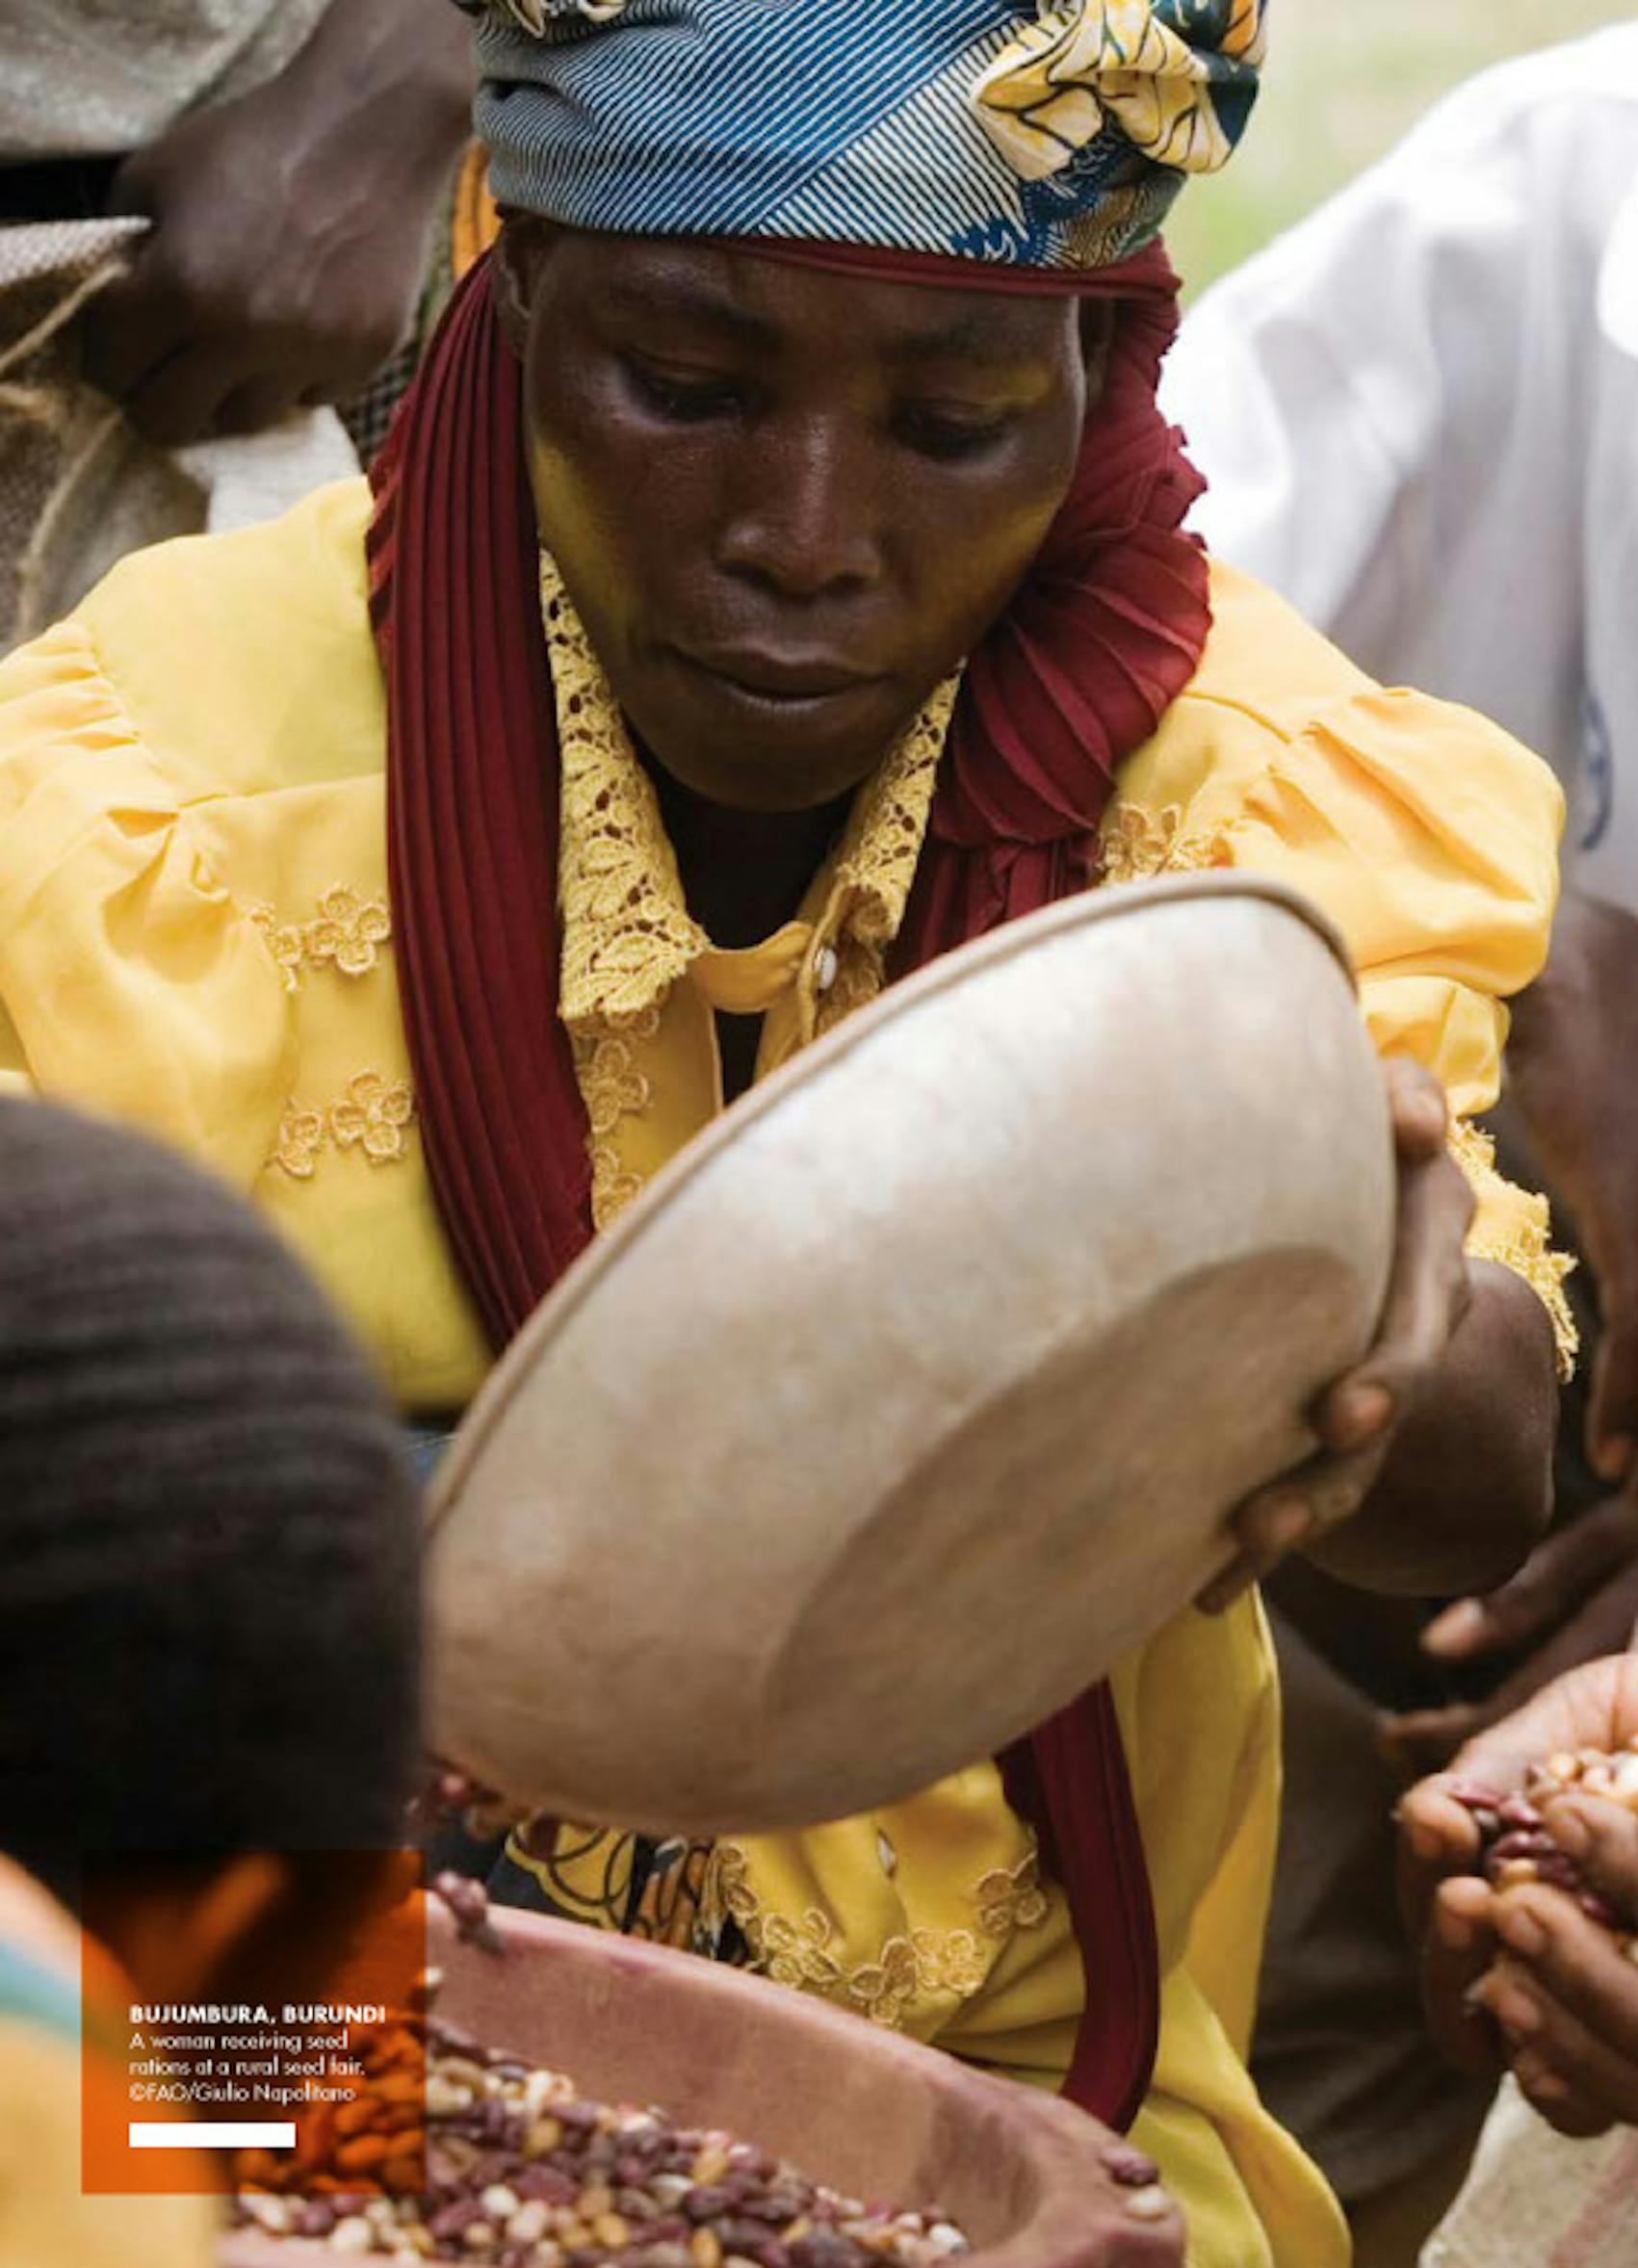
(316, 2096)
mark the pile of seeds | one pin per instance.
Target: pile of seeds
(522, 2171)
(1516, 1847)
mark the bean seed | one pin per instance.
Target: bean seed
(1516, 1847)
(459, 2151)
(528, 2225)
(1149, 2204)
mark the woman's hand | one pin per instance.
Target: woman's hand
(1573, 1601)
(1523, 1976)
(1358, 1418)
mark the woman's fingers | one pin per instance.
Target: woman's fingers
(1558, 2099)
(1422, 1740)
(1593, 1707)
(1602, 1837)
(1438, 1843)
(1457, 1949)
(1426, 1300)
(1576, 2042)
(1428, 1290)
(1356, 1417)
(1290, 1512)
(1564, 1957)
(1557, 1578)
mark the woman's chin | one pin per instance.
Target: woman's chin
(767, 753)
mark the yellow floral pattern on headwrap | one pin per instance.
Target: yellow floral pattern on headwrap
(1151, 67)
(533, 16)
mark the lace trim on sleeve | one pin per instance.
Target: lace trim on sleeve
(1521, 1243)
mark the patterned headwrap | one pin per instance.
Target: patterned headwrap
(1044, 136)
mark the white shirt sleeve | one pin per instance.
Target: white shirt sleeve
(1394, 403)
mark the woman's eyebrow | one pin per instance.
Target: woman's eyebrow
(975, 336)
(689, 303)
(979, 335)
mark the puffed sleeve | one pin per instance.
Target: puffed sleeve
(130, 980)
(1430, 837)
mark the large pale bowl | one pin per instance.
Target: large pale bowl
(917, 1391)
(846, 2101)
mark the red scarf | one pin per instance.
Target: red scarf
(1101, 638)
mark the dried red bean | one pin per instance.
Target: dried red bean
(823, 2248)
(1128, 2168)
(1514, 1836)
(455, 2220)
(614, 2189)
(1521, 1842)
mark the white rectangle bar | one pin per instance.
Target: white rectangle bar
(206, 2134)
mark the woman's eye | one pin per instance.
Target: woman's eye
(944, 433)
(689, 401)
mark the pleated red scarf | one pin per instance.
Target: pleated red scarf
(1101, 638)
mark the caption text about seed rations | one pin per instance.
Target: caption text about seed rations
(241, 2055)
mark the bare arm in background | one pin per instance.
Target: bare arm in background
(1573, 1073)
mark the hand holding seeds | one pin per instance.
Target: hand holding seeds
(1522, 1865)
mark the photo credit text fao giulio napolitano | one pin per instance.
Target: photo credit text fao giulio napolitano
(204, 2096)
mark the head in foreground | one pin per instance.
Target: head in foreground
(209, 1615)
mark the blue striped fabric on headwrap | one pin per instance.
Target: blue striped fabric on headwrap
(1049, 136)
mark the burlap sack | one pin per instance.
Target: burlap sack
(78, 486)
(1534, 2200)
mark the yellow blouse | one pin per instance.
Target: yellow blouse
(47, 2220)
(194, 934)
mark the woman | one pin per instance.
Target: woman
(775, 567)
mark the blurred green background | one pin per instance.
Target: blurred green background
(1344, 81)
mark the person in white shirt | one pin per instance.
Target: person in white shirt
(1418, 415)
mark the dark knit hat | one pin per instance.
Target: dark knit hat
(209, 1548)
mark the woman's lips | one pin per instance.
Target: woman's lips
(782, 683)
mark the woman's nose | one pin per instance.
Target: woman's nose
(805, 512)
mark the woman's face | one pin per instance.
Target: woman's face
(785, 503)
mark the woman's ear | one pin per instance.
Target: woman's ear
(520, 253)
(1097, 331)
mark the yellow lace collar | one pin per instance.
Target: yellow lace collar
(627, 934)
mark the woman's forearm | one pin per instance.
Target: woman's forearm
(1467, 1488)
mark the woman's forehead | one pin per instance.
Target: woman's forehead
(758, 301)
